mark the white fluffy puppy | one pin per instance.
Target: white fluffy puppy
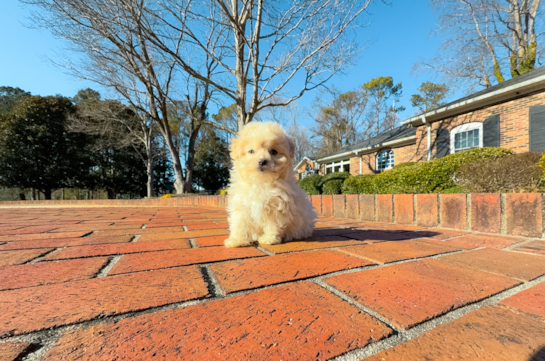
(265, 203)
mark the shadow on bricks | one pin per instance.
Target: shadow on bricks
(539, 356)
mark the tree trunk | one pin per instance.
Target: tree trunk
(47, 193)
(149, 172)
(176, 164)
(62, 194)
(32, 194)
(111, 193)
(190, 164)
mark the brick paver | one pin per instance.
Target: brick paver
(386, 252)
(295, 322)
(253, 273)
(117, 248)
(37, 274)
(410, 293)
(490, 334)
(165, 259)
(510, 264)
(10, 351)
(36, 308)
(168, 293)
(8, 258)
(531, 301)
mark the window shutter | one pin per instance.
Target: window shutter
(537, 128)
(491, 131)
(442, 143)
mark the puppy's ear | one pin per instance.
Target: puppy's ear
(236, 148)
(291, 147)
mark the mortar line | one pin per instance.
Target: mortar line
(134, 238)
(42, 256)
(214, 287)
(103, 272)
(193, 243)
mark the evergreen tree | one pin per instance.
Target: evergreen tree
(211, 160)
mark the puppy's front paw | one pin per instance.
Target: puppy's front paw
(269, 239)
(232, 242)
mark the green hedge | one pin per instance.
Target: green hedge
(423, 177)
(332, 183)
(311, 184)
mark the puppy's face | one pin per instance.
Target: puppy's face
(261, 151)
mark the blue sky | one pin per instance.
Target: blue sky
(397, 37)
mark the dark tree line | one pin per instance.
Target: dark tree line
(44, 147)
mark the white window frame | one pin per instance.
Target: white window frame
(391, 165)
(333, 165)
(466, 128)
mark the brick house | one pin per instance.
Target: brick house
(509, 115)
(306, 167)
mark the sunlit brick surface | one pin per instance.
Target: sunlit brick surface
(150, 282)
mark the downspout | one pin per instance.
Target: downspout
(428, 126)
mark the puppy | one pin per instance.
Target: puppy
(265, 203)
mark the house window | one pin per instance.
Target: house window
(466, 136)
(340, 166)
(385, 160)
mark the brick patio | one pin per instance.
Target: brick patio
(146, 283)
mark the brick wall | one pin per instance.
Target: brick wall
(516, 214)
(514, 125)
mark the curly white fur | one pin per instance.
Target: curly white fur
(265, 203)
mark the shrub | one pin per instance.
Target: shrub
(331, 183)
(311, 184)
(224, 191)
(423, 177)
(403, 165)
(513, 173)
(167, 196)
(542, 165)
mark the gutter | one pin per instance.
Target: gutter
(468, 105)
(367, 149)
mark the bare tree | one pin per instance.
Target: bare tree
(268, 45)
(340, 121)
(486, 40)
(114, 37)
(123, 126)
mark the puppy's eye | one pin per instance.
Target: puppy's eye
(274, 152)
(251, 151)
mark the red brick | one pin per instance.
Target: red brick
(33, 237)
(165, 259)
(28, 230)
(426, 210)
(317, 203)
(367, 207)
(531, 301)
(352, 206)
(486, 213)
(207, 225)
(537, 247)
(510, 264)
(410, 293)
(327, 206)
(211, 241)
(404, 208)
(339, 206)
(314, 242)
(8, 258)
(63, 242)
(254, 273)
(37, 274)
(396, 251)
(119, 232)
(454, 211)
(9, 351)
(438, 233)
(175, 223)
(523, 214)
(36, 308)
(475, 240)
(295, 322)
(161, 236)
(378, 235)
(384, 208)
(489, 333)
(118, 248)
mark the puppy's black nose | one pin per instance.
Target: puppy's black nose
(263, 162)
